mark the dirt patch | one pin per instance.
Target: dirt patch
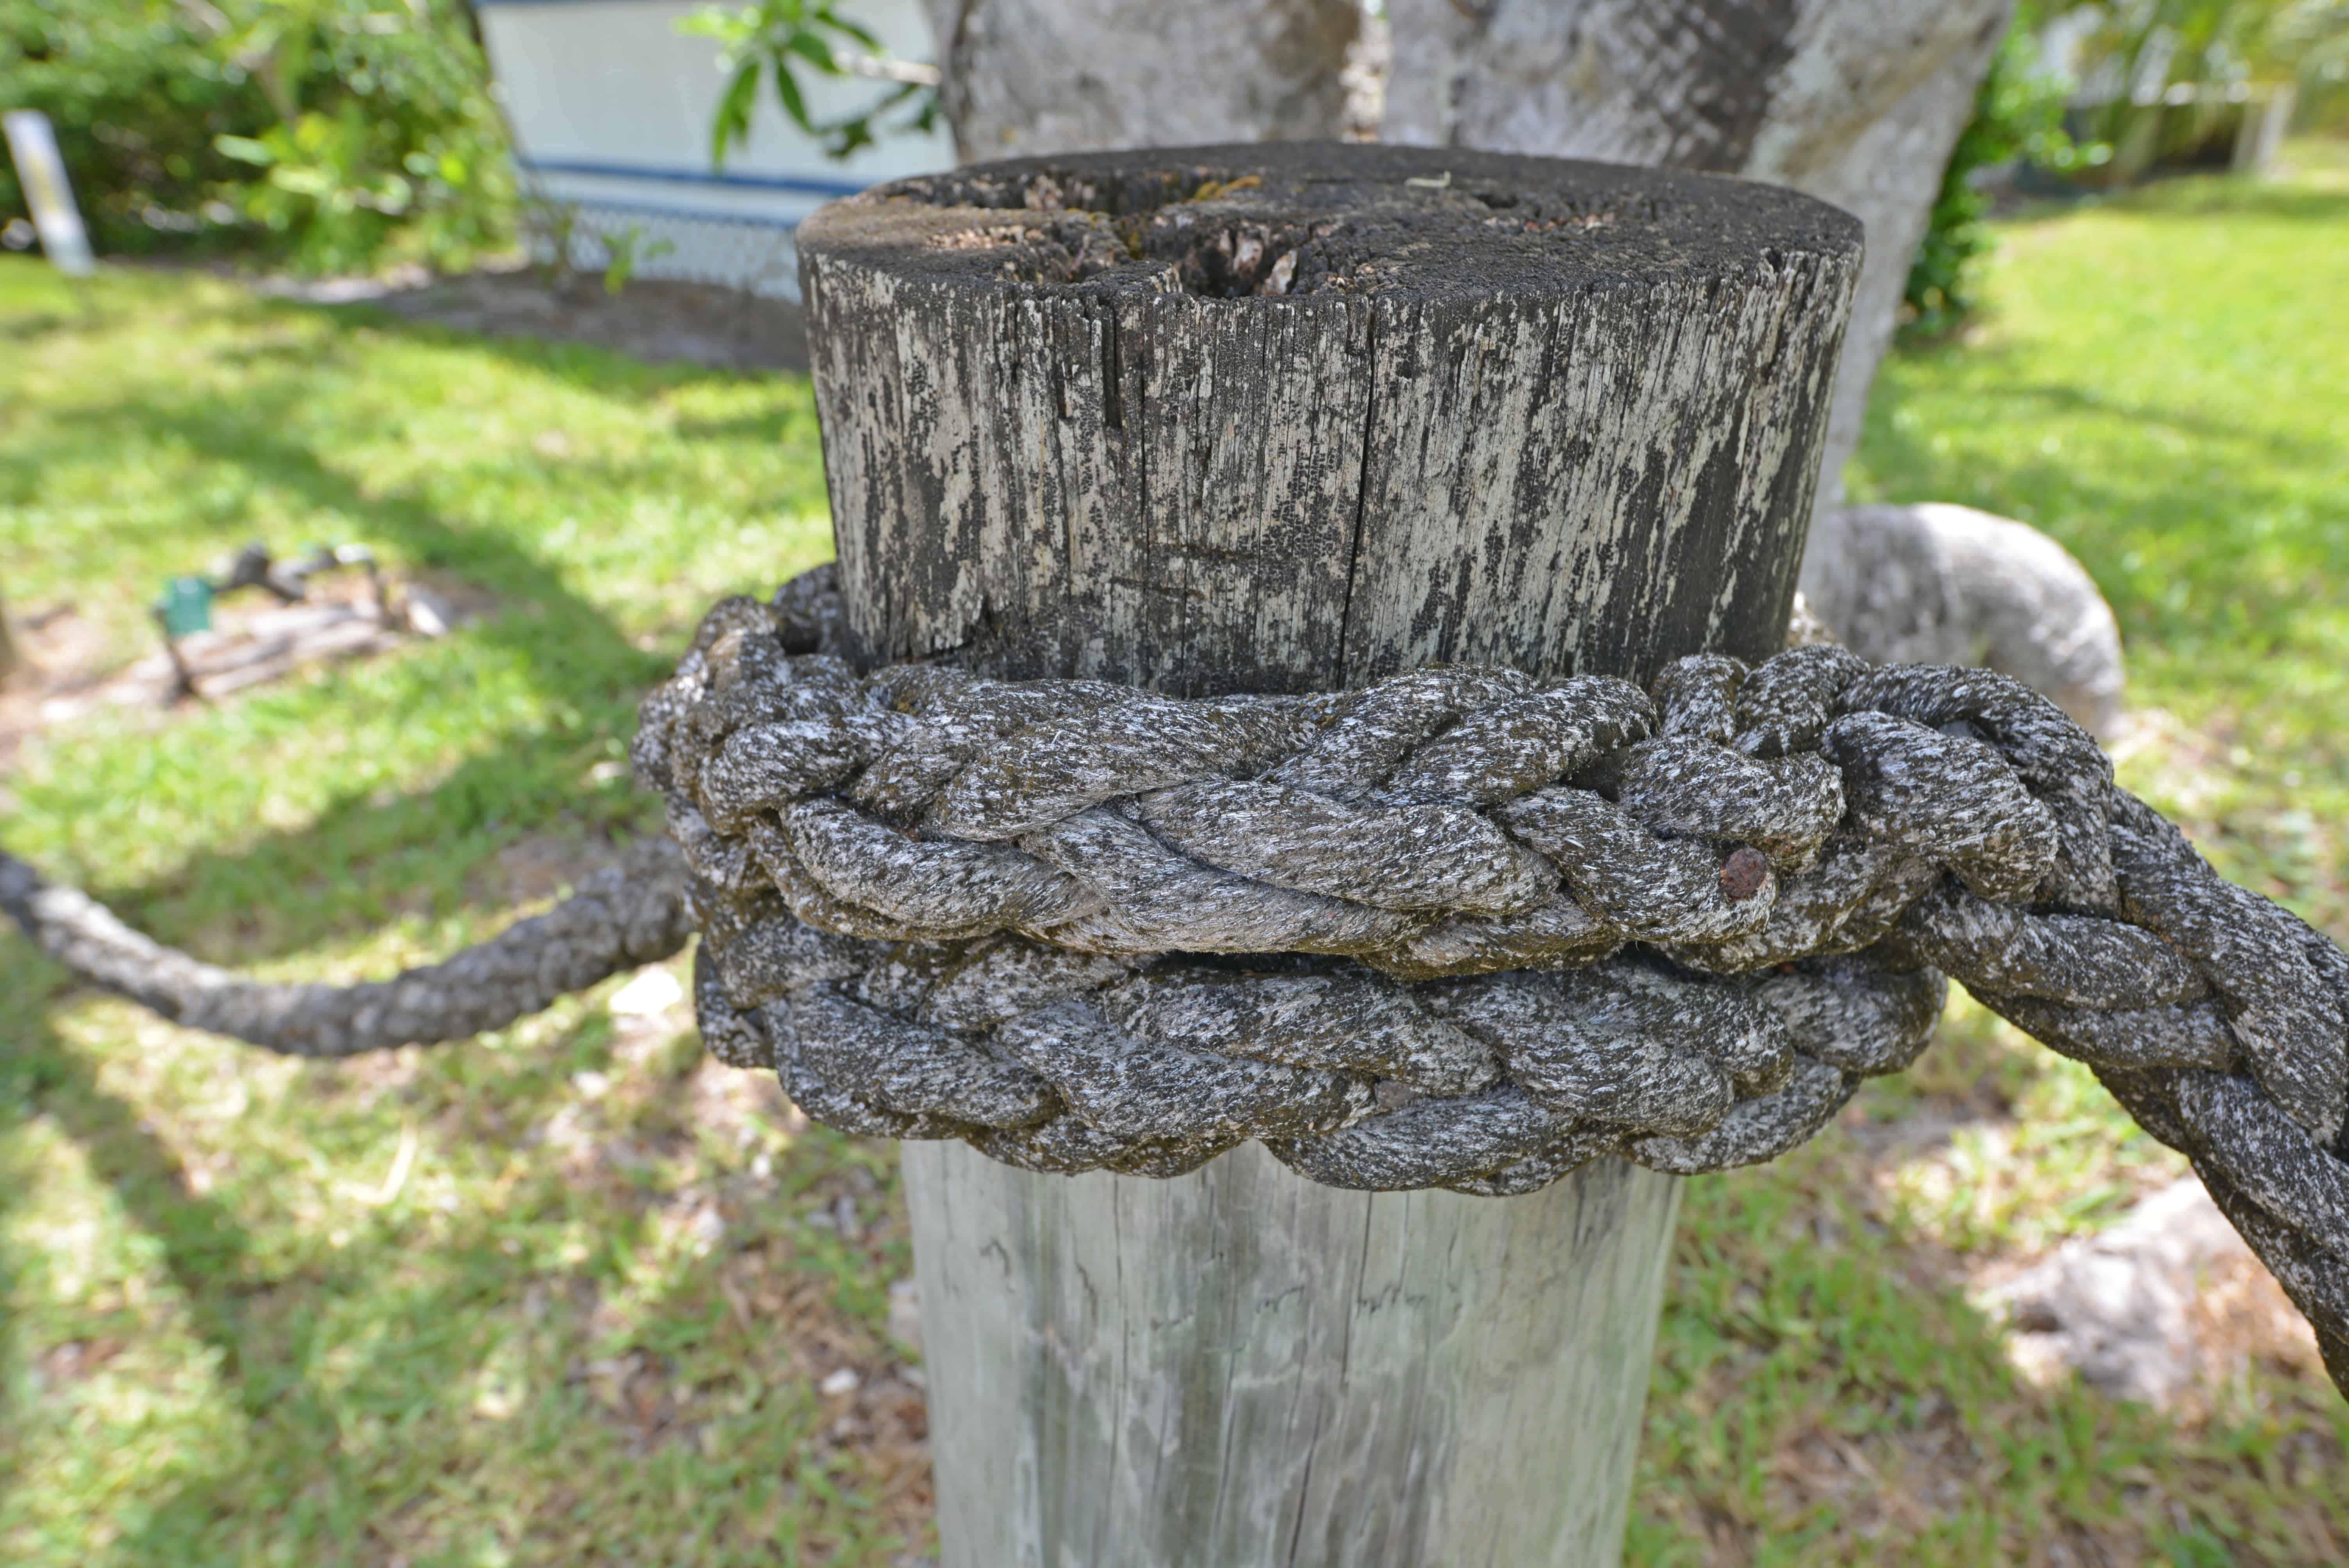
(2167, 1304)
(650, 319)
(73, 663)
(537, 866)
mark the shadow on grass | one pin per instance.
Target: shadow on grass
(589, 367)
(363, 861)
(2059, 399)
(33, 328)
(249, 433)
(2207, 542)
(424, 1382)
(574, 657)
(201, 1248)
(281, 1326)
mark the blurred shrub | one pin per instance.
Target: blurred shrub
(2107, 64)
(137, 101)
(328, 135)
(2313, 36)
(2203, 57)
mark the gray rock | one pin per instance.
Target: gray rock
(1940, 584)
(2114, 1307)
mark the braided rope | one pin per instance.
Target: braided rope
(1460, 928)
(621, 918)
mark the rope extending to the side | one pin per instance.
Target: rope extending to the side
(1462, 928)
(622, 917)
(1457, 929)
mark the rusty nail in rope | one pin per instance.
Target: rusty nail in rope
(1743, 873)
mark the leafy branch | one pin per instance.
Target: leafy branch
(780, 39)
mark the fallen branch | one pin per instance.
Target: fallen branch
(622, 917)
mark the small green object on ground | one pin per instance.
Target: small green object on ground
(186, 606)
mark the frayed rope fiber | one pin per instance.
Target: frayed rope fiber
(1462, 928)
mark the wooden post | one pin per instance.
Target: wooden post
(1285, 417)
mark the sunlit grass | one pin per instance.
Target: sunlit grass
(579, 1325)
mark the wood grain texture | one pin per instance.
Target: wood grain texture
(1290, 417)
(1238, 1368)
(1562, 416)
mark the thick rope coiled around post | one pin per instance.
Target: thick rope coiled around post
(1462, 928)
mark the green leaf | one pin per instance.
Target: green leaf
(846, 137)
(732, 122)
(847, 28)
(245, 150)
(728, 27)
(788, 90)
(808, 46)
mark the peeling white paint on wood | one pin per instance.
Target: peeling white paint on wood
(1560, 417)
(1115, 416)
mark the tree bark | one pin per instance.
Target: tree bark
(1026, 76)
(1858, 102)
(1287, 418)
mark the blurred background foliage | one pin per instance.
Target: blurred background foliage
(2138, 52)
(2082, 96)
(2018, 115)
(319, 135)
(777, 40)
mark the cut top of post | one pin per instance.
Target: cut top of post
(1296, 415)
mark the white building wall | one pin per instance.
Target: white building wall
(610, 109)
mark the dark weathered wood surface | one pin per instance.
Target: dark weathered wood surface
(1301, 414)
(1289, 418)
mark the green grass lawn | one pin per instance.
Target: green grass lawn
(570, 1294)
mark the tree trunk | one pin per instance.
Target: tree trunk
(9, 657)
(1287, 418)
(1028, 77)
(1858, 102)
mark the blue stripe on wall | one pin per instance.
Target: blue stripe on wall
(798, 185)
(699, 215)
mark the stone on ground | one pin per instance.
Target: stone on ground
(2168, 1300)
(1935, 583)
